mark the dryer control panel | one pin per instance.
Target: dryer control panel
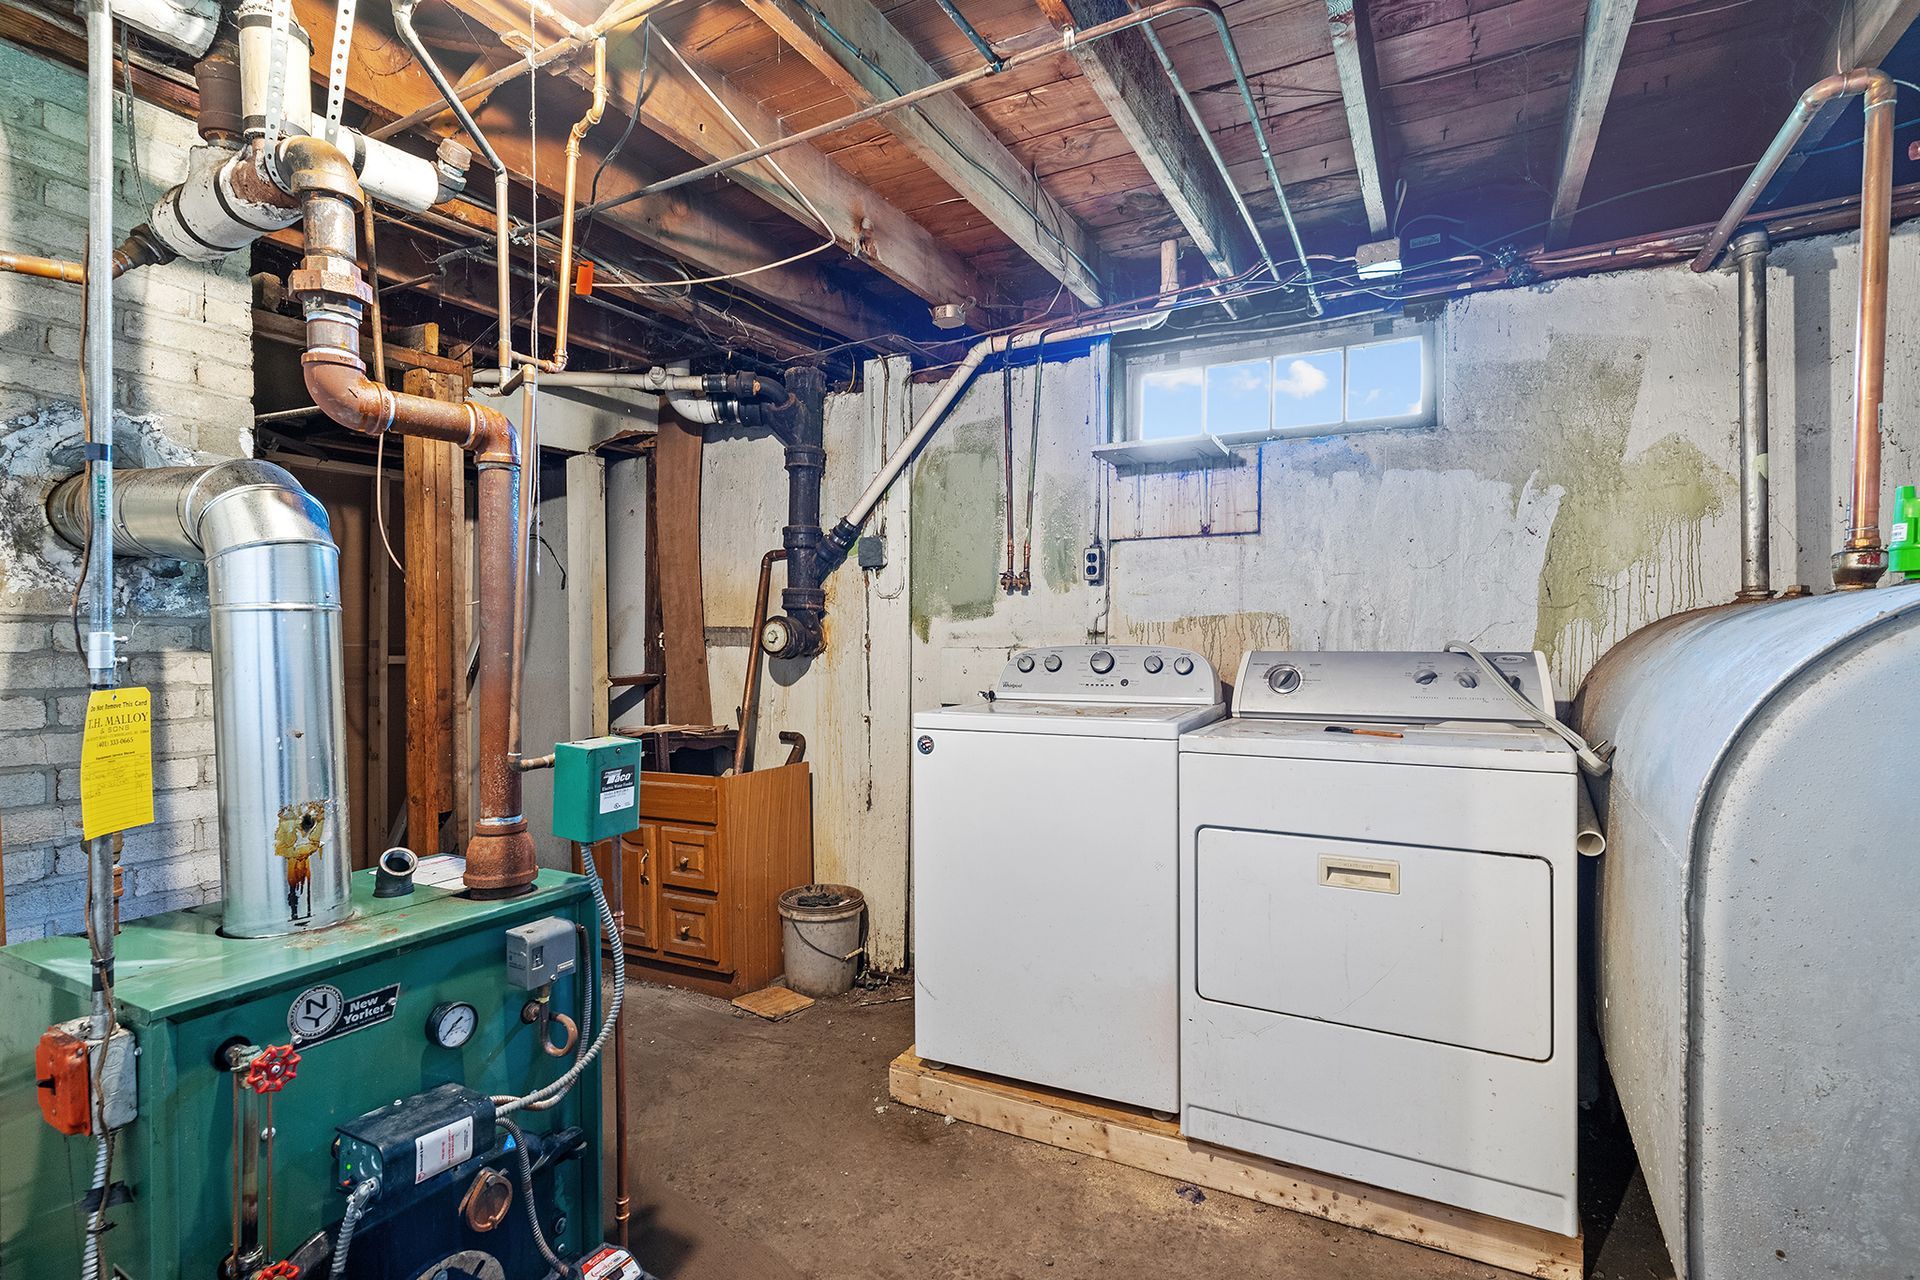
(1109, 673)
(1388, 686)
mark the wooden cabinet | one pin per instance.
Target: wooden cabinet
(701, 875)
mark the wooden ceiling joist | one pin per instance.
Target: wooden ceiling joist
(1126, 73)
(947, 137)
(385, 79)
(866, 224)
(1865, 31)
(1608, 24)
(1352, 29)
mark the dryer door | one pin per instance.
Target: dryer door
(1445, 945)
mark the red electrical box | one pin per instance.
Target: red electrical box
(60, 1069)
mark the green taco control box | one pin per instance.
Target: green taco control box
(596, 789)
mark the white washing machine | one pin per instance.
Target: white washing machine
(1045, 833)
(1378, 923)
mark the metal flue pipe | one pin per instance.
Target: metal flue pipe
(328, 283)
(1750, 257)
(1862, 559)
(273, 593)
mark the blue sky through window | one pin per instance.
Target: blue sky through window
(1384, 380)
(1306, 389)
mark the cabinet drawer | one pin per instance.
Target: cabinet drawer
(693, 928)
(640, 890)
(670, 797)
(689, 857)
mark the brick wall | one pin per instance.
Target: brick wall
(183, 394)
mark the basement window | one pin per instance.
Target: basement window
(1196, 404)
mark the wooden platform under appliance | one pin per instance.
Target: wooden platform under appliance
(1132, 1137)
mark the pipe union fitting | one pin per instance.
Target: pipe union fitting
(1857, 568)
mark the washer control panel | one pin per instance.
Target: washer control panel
(1109, 673)
(1388, 686)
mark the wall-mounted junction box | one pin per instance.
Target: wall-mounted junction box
(596, 789)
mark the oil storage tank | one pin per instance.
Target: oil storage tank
(1759, 943)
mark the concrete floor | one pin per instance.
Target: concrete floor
(770, 1151)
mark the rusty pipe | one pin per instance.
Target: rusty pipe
(751, 692)
(500, 855)
(558, 362)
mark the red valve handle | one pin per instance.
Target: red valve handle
(271, 1071)
(278, 1271)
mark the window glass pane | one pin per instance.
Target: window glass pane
(1384, 380)
(1306, 389)
(1170, 403)
(1237, 396)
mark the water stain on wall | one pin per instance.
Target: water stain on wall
(1221, 638)
(1066, 530)
(956, 511)
(1625, 547)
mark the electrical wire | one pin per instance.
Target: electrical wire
(1593, 758)
(379, 501)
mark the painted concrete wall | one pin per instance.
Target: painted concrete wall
(1580, 483)
(183, 362)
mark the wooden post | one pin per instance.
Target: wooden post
(435, 502)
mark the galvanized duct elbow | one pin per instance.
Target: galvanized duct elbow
(273, 593)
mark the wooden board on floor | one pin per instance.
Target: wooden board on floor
(773, 1003)
(1132, 1137)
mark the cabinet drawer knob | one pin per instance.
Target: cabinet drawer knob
(685, 933)
(685, 863)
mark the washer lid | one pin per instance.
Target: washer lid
(1459, 744)
(1075, 719)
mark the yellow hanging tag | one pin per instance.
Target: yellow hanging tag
(116, 762)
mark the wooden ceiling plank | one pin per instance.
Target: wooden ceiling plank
(942, 132)
(1125, 72)
(1608, 24)
(1352, 29)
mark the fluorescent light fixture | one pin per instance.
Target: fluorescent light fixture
(1379, 258)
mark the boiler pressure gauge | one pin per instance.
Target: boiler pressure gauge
(451, 1025)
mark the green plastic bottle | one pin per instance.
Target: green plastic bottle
(1903, 546)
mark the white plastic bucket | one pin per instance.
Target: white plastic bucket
(822, 928)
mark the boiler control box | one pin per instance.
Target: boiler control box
(596, 789)
(414, 1140)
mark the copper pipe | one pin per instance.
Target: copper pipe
(1870, 352)
(750, 694)
(45, 268)
(500, 856)
(1862, 558)
(595, 110)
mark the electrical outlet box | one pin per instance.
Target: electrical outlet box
(1095, 565)
(540, 953)
(872, 551)
(596, 789)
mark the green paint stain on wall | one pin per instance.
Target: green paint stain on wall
(957, 524)
(1065, 528)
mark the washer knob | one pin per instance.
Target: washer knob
(1101, 662)
(1153, 664)
(1183, 666)
(1468, 680)
(1283, 678)
(1024, 662)
(1052, 662)
(1425, 677)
